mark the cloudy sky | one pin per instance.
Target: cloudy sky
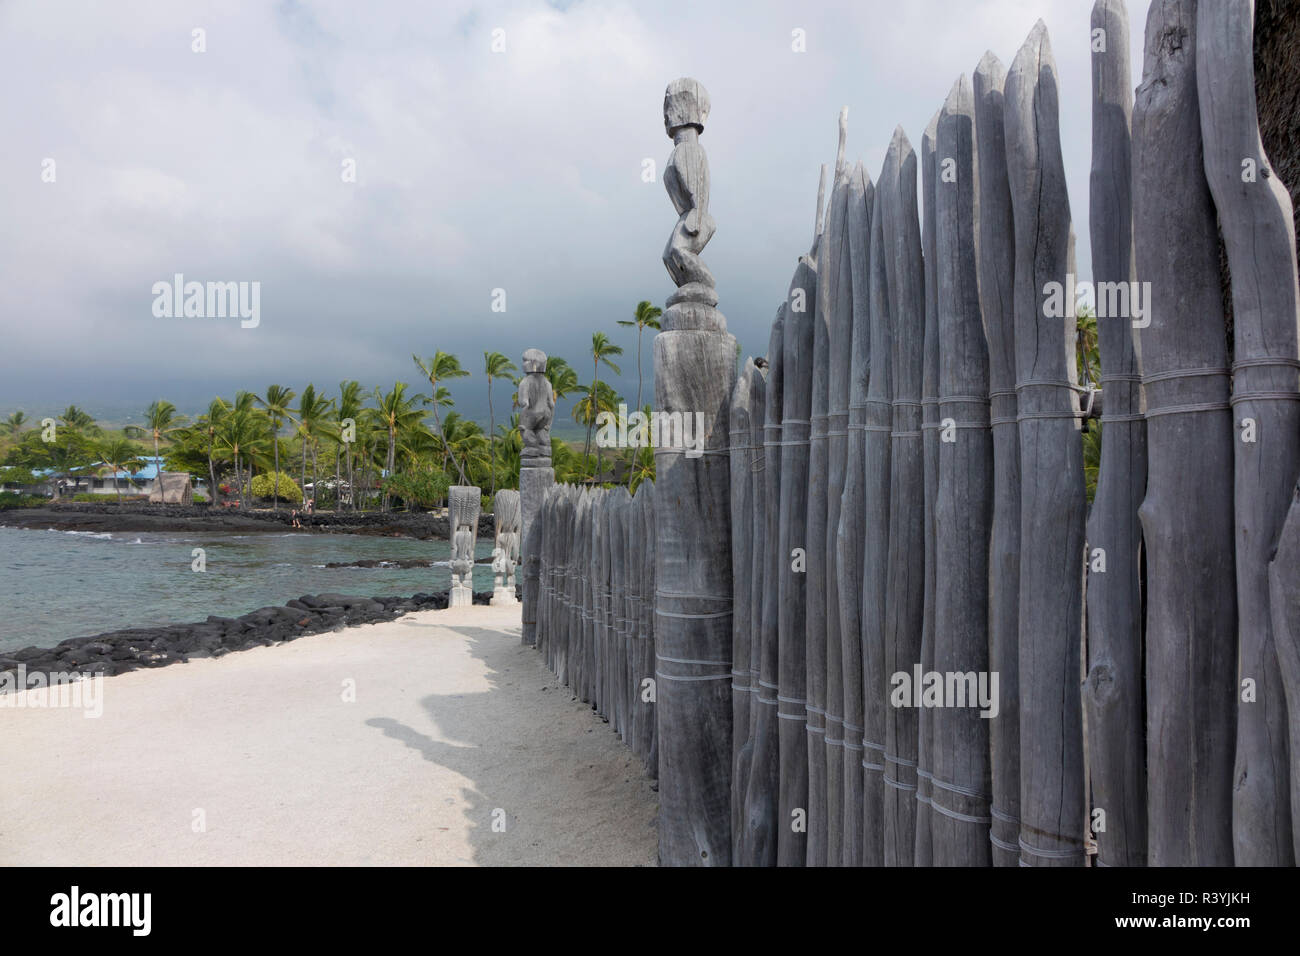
(476, 170)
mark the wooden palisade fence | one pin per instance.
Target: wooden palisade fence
(937, 651)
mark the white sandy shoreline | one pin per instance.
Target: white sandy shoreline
(454, 726)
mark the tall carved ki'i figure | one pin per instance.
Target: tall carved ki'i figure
(686, 107)
(695, 369)
(537, 408)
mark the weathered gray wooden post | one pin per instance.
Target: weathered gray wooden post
(755, 465)
(963, 505)
(694, 361)
(851, 532)
(831, 256)
(875, 517)
(1284, 602)
(1052, 498)
(1255, 217)
(742, 547)
(605, 609)
(996, 249)
(1191, 652)
(567, 635)
(537, 408)
(1112, 693)
(792, 713)
(905, 597)
(647, 693)
(583, 571)
(627, 547)
(759, 843)
(554, 627)
(930, 462)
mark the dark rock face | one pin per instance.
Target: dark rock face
(1277, 95)
(133, 516)
(117, 652)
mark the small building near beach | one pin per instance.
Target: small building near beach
(172, 488)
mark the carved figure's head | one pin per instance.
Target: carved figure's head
(686, 103)
(534, 361)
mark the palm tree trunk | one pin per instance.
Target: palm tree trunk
(337, 450)
(595, 413)
(632, 466)
(275, 485)
(212, 479)
(492, 438)
(156, 463)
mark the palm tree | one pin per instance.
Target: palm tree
(645, 317)
(160, 419)
(562, 376)
(441, 367)
(79, 421)
(510, 440)
(276, 404)
(466, 443)
(242, 431)
(601, 350)
(495, 365)
(349, 407)
(599, 398)
(311, 418)
(643, 461)
(14, 423)
(118, 454)
(209, 422)
(397, 412)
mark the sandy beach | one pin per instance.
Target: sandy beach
(433, 739)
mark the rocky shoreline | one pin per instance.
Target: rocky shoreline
(139, 516)
(117, 652)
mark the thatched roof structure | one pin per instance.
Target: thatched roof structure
(172, 488)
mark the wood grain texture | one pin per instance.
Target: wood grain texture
(963, 510)
(1052, 500)
(905, 595)
(996, 250)
(1112, 693)
(851, 532)
(1255, 217)
(1191, 612)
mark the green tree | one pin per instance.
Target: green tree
(562, 376)
(276, 484)
(442, 367)
(14, 423)
(242, 432)
(646, 316)
(495, 365)
(312, 418)
(276, 404)
(118, 454)
(348, 410)
(599, 398)
(160, 419)
(602, 349)
(396, 411)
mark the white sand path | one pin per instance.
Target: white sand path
(455, 726)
